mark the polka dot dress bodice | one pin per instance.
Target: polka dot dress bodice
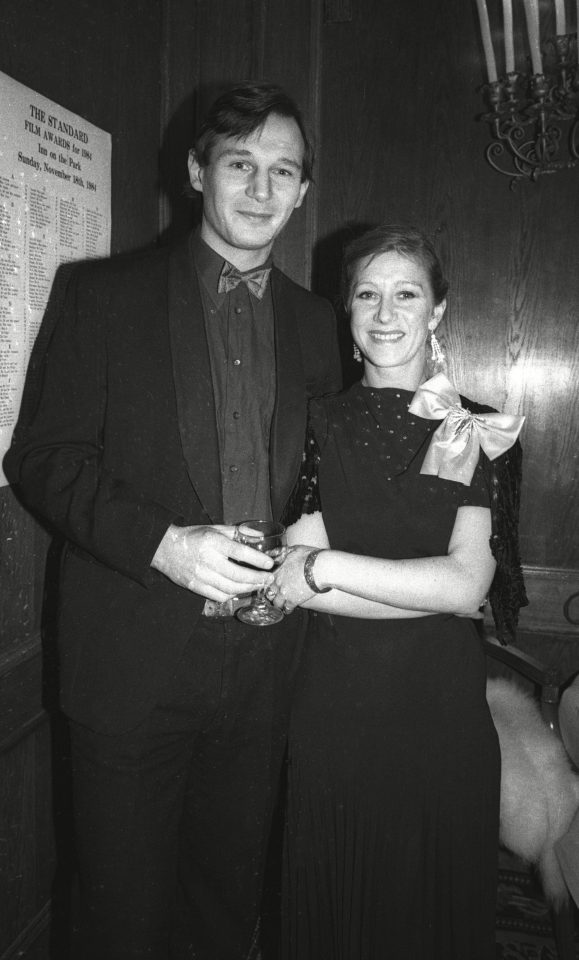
(372, 450)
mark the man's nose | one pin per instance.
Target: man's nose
(259, 186)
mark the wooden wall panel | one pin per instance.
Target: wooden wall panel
(180, 66)
(212, 45)
(28, 858)
(291, 57)
(22, 554)
(100, 59)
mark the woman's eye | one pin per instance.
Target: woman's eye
(366, 294)
(407, 294)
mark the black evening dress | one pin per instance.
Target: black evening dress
(394, 765)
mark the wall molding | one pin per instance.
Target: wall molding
(548, 590)
(28, 937)
(21, 694)
(26, 650)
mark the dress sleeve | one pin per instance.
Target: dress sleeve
(477, 494)
(305, 497)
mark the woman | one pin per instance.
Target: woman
(394, 763)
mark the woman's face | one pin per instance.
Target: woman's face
(391, 305)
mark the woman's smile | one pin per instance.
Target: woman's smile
(391, 336)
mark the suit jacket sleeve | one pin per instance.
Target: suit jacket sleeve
(57, 456)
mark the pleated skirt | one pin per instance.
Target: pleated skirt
(393, 795)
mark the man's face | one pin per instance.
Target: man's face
(250, 188)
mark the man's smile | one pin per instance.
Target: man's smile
(255, 215)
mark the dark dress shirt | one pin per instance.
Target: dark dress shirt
(240, 334)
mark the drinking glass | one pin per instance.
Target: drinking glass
(267, 536)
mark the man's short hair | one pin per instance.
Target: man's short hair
(242, 110)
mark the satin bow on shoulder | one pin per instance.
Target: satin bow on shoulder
(455, 446)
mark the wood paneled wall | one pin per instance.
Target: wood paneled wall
(211, 45)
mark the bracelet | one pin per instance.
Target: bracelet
(309, 572)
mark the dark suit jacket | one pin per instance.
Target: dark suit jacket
(124, 442)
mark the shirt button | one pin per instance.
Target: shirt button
(236, 363)
(236, 414)
(233, 468)
(238, 310)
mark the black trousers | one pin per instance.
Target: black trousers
(172, 819)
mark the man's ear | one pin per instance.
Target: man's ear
(303, 190)
(195, 172)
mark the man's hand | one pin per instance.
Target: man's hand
(200, 559)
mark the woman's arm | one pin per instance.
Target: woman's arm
(310, 529)
(455, 583)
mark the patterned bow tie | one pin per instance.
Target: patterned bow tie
(454, 449)
(255, 280)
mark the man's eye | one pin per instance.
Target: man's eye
(285, 172)
(240, 165)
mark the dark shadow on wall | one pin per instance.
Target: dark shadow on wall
(326, 281)
(182, 207)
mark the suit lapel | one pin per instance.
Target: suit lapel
(193, 383)
(289, 418)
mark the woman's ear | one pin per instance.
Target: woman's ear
(437, 315)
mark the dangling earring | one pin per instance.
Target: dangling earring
(436, 362)
(356, 353)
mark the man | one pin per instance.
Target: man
(173, 407)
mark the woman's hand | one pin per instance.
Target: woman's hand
(289, 588)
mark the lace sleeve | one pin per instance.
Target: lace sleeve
(503, 480)
(507, 593)
(305, 497)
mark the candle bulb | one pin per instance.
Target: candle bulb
(560, 25)
(509, 42)
(485, 30)
(532, 17)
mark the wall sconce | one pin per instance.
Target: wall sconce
(533, 117)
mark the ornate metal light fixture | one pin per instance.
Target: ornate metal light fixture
(534, 117)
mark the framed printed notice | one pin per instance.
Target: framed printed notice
(55, 200)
